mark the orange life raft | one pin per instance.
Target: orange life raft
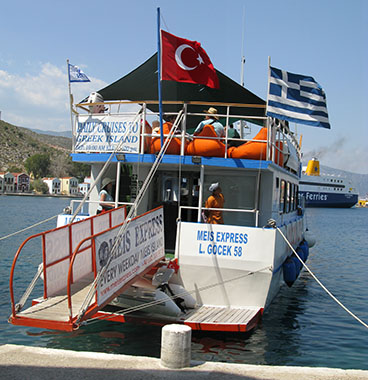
(256, 150)
(251, 149)
(206, 147)
(174, 146)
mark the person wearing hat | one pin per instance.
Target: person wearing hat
(215, 200)
(105, 195)
(211, 118)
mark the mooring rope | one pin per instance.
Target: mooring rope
(29, 227)
(272, 223)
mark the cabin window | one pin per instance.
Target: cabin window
(288, 197)
(282, 196)
(292, 197)
(296, 190)
(239, 193)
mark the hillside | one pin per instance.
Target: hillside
(17, 144)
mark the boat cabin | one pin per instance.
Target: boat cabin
(258, 177)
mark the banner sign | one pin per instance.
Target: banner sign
(103, 133)
(140, 246)
(232, 246)
(61, 243)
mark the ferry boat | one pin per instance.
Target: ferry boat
(322, 190)
(153, 258)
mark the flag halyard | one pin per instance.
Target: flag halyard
(297, 98)
(186, 61)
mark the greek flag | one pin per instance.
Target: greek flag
(76, 74)
(296, 98)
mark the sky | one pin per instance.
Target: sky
(325, 39)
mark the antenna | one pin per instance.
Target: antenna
(242, 52)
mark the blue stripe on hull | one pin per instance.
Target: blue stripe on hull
(319, 199)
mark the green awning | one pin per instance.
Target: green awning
(141, 85)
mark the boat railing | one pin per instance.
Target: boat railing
(255, 212)
(277, 140)
(73, 203)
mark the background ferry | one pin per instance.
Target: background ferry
(321, 190)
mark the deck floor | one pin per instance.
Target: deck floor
(221, 315)
(56, 308)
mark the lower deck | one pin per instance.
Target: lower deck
(203, 318)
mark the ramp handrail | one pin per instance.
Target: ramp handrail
(92, 308)
(43, 235)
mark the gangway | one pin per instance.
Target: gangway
(75, 255)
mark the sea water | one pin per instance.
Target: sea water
(302, 327)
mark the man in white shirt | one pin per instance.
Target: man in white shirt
(211, 118)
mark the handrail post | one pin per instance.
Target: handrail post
(227, 129)
(117, 188)
(183, 130)
(143, 128)
(11, 277)
(200, 195)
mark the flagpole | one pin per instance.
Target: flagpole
(159, 74)
(242, 53)
(71, 105)
(267, 118)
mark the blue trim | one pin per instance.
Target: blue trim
(175, 159)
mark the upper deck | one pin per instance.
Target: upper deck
(136, 137)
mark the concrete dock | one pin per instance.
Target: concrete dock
(23, 362)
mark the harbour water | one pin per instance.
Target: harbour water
(303, 326)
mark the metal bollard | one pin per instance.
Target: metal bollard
(176, 346)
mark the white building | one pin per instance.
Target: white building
(54, 185)
(9, 182)
(84, 187)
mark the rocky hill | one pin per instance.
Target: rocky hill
(17, 144)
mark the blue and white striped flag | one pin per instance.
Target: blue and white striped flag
(76, 74)
(296, 98)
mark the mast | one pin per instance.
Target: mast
(159, 74)
(242, 52)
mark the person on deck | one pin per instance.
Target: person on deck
(106, 195)
(211, 118)
(215, 200)
(232, 133)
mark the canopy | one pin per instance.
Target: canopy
(141, 85)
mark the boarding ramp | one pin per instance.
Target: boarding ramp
(88, 263)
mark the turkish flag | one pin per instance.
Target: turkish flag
(185, 61)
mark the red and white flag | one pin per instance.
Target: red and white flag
(185, 61)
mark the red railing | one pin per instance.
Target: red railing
(69, 254)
